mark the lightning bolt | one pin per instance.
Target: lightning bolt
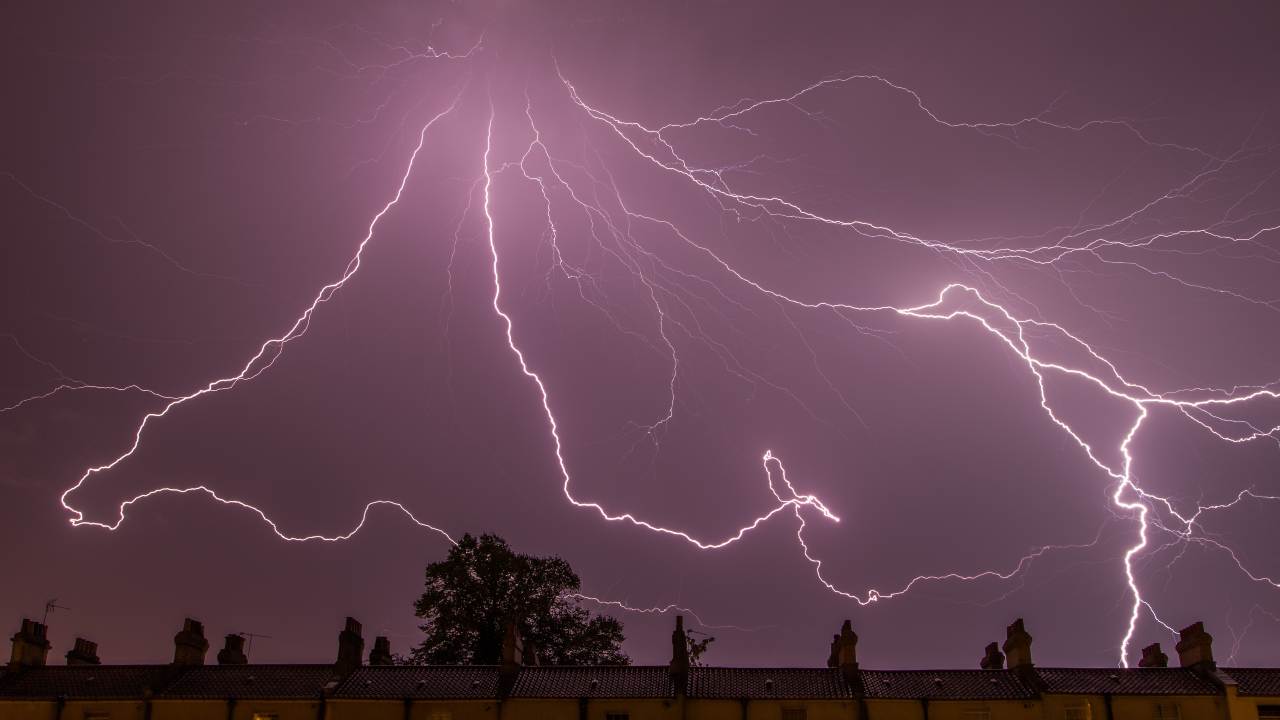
(1028, 337)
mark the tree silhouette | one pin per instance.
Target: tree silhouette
(697, 647)
(482, 585)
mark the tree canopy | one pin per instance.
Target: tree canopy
(471, 595)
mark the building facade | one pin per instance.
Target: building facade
(521, 689)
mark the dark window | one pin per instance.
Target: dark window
(1268, 711)
(793, 714)
(617, 716)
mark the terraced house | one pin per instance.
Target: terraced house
(521, 689)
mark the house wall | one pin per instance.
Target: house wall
(72, 709)
(1246, 708)
(243, 710)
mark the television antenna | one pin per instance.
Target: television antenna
(50, 607)
(250, 636)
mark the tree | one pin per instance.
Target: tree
(482, 585)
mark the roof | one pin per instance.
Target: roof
(440, 682)
(946, 685)
(1255, 681)
(598, 681)
(83, 681)
(485, 682)
(1126, 681)
(785, 683)
(282, 682)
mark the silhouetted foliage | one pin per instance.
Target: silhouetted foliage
(697, 647)
(471, 595)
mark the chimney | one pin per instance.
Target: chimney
(1017, 646)
(85, 652)
(350, 647)
(232, 652)
(189, 645)
(30, 645)
(993, 659)
(381, 652)
(833, 658)
(1152, 657)
(512, 648)
(846, 651)
(679, 667)
(1195, 647)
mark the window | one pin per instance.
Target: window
(1269, 712)
(89, 715)
(977, 714)
(793, 714)
(1076, 712)
(265, 716)
(1167, 711)
(441, 715)
(617, 716)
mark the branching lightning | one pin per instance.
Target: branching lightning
(1034, 342)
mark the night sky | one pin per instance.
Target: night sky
(998, 284)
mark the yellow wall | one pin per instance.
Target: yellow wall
(26, 710)
(1246, 708)
(244, 709)
(1190, 707)
(73, 710)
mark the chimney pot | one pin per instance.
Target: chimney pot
(1195, 647)
(84, 652)
(30, 645)
(1017, 645)
(232, 652)
(1152, 657)
(189, 644)
(381, 652)
(993, 659)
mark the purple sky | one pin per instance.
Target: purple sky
(1101, 183)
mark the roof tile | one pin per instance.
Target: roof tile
(1255, 681)
(83, 681)
(600, 681)
(792, 683)
(1126, 681)
(250, 681)
(439, 682)
(946, 685)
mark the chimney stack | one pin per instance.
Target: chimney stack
(381, 652)
(85, 652)
(993, 659)
(350, 647)
(30, 645)
(1017, 646)
(189, 644)
(1152, 657)
(845, 651)
(512, 648)
(1195, 647)
(232, 652)
(679, 667)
